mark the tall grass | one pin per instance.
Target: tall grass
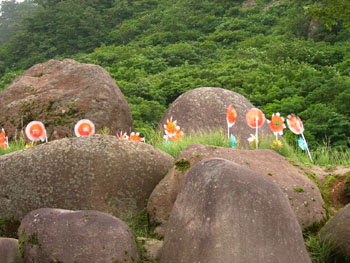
(324, 251)
(322, 155)
(15, 145)
(216, 138)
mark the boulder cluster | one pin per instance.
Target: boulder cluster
(72, 196)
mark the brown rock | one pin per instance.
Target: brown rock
(59, 93)
(205, 109)
(9, 252)
(307, 204)
(99, 172)
(227, 213)
(56, 235)
(337, 231)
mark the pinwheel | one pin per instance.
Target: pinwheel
(231, 117)
(172, 131)
(136, 137)
(277, 124)
(36, 131)
(4, 143)
(84, 127)
(123, 136)
(296, 126)
(255, 119)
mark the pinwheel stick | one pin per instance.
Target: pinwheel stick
(307, 147)
(256, 132)
(228, 131)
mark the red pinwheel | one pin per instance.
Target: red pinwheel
(295, 124)
(231, 117)
(84, 127)
(255, 118)
(3, 140)
(35, 131)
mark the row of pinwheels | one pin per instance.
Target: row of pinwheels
(255, 118)
(36, 131)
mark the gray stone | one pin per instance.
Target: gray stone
(227, 213)
(9, 251)
(56, 235)
(99, 172)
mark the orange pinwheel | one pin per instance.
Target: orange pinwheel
(255, 118)
(172, 131)
(277, 124)
(174, 136)
(3, 140)
(35, 131)
(231, 116)
(123, 136)
(84, 127)
(171, 127)
(136, 137)
(295, 124)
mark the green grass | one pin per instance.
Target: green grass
(323, 252)
(15, 145)
(213, 139)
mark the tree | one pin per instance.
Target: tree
(331, 12)
(12, 14)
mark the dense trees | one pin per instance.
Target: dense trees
(158, 49)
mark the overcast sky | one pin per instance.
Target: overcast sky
(16, 1)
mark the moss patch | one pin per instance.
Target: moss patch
(182, 165)
(298, 189)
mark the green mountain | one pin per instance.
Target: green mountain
(272, 52)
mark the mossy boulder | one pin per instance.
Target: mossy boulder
(99, 172)
(59, 93)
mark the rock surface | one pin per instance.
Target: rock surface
(227, 213)
(151, 248)
(205, 109)
(304, 196)
(337, 231)
(59, 93)
(99, 172)
(9, 252)
(56, 235)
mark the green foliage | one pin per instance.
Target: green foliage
(331, 12)
(323, 251)
(157, 49)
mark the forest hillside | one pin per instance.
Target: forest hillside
(273, 52)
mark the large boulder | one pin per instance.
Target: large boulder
(204, 109)
(227, 213)
(337, 231)
(59, 93)
(303, 194)
(9, 251)
(99, 172)
(57, 235)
